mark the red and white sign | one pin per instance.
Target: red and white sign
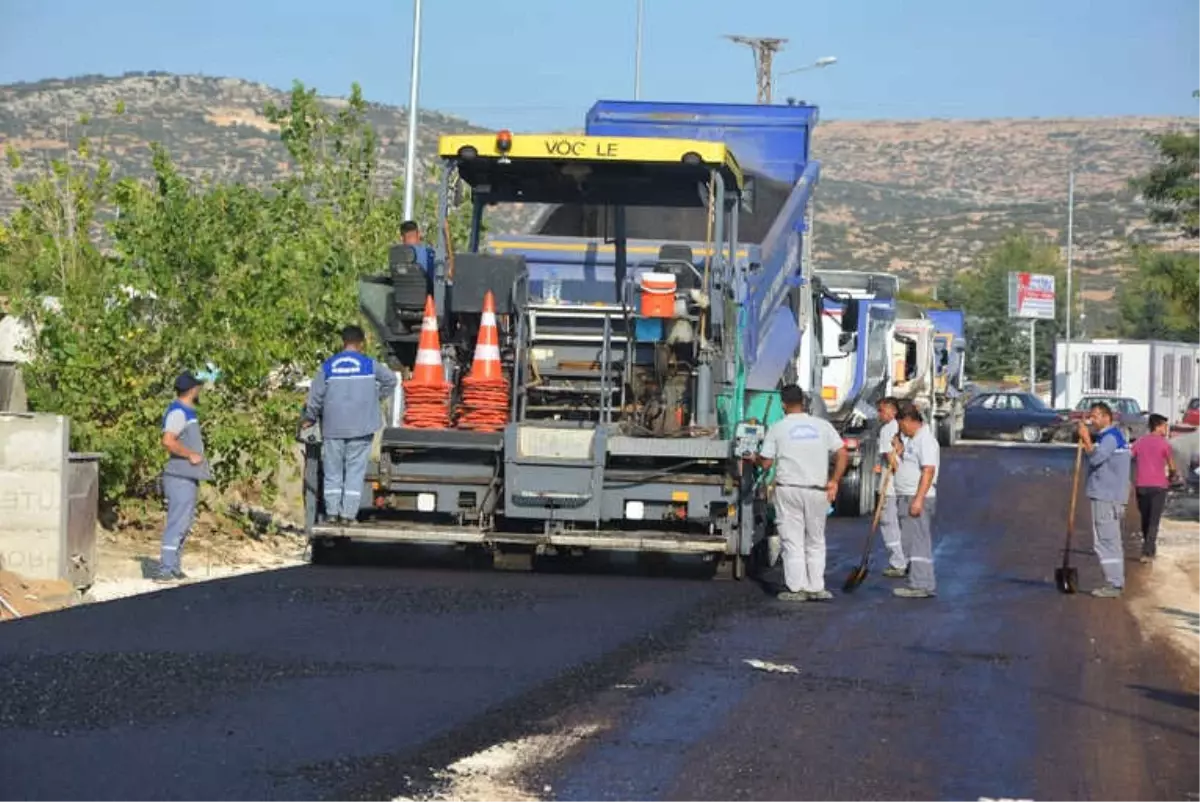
(1031, 295)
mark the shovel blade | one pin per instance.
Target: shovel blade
(856, 578)
(1067, 580)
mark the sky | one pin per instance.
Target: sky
(530, 64)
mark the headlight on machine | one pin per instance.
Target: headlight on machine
(426, 502)
(635, 510)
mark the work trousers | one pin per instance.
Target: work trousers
(1151, 501)
(916, 537)
(180, 494)
(800, 514)
(345, 466)
(889, 529)
(1106, 530)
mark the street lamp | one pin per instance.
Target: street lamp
(410, 158)
(824, 61)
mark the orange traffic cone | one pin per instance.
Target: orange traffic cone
(485, 390)
(426, 394)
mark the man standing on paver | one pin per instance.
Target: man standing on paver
(802, 445)
(344, 397)
(1108, 490)
(186, 468)
(889, 521)
(916, 500)
(1154, 467)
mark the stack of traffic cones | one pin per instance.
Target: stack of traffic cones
(426, 394)
(485, 390)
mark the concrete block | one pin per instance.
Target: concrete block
(12, 389)
(33, 494)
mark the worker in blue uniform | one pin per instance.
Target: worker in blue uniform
(410, 234)
(186, 467)
(345, 397)
(1108, 478)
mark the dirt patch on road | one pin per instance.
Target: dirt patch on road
(1167, 599)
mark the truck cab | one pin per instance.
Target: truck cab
(858, 326)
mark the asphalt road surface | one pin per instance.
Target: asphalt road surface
(362, 681)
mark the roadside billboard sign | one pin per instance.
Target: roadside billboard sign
(1031, 296)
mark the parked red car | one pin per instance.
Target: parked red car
(1191, 415)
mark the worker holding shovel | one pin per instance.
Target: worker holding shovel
(1109, 463)
(916, 498)
(889, 521)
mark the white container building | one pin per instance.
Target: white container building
(1161, 376)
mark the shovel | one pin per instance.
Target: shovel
(859, 574)
(1067, 577)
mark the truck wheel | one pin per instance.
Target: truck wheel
(945, 432)
(849, 497)
(868, 479)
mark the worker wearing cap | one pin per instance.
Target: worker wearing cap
(889, 519)
(919, 460)
(802, 445)
(1109, 465)
(345, 396)
(186, 467)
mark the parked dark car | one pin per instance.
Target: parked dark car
(1000, 414)
(1128, 414)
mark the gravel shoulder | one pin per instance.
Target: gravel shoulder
(1166, 599)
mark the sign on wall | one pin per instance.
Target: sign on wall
(1031, 296)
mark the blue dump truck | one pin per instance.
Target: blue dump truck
(859, 322)
(642, 331)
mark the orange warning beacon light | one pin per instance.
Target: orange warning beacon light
(504, 141)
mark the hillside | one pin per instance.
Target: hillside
(919, 198)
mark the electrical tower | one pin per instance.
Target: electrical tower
(764, 49)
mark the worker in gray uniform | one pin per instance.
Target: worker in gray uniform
(916, 499)
(345, 397)
(186, 467)
(1109, 463)
(889, 520)
(802, 445)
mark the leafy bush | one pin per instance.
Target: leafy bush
(183, 274)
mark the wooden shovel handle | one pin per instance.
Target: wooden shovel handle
(883, 486)
(1074, 497)
(887, 475)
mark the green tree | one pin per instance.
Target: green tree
(999, 345)
(180, 274)
(1160, 297)
(1172, 186)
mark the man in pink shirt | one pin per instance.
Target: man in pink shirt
(1154, 466)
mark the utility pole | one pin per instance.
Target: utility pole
(637, 56)
(1070, 295)
(764, 49)
(410, 158)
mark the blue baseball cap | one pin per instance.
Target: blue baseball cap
(185, 382)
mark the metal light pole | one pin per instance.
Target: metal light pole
(637, 58)
(410, 159)
(1070, 296)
